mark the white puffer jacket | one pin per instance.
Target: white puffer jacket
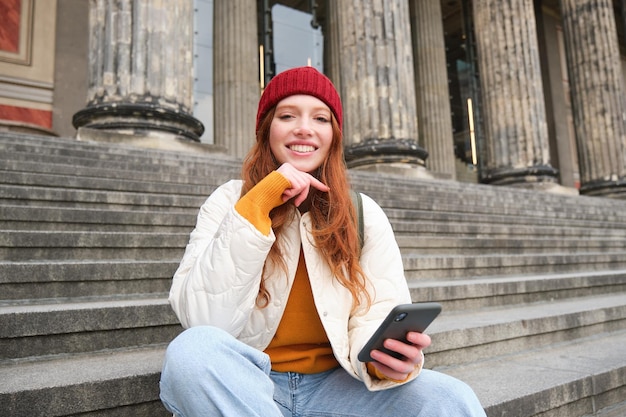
(218, 279)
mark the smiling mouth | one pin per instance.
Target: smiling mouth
(302, 148)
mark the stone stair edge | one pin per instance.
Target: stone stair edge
(452, 321)
(367, 181)
(483, 294)
(142, 173)
(77, 150)
(185, 217)
(99, 215)
(15, 139)
(108, 183)
(481, 328)
(42, 271)
(64, 153)
(96, 217)
(497, 214)
(541, 280)
(493, 370)
(92, 238)
(584, 199)
(75, 197)
(428, 185)
(422, 230)
(540, 241)
(465, 267)
(116, 200)
(478, 338)
(31, 330)
(548, 377)
(88, 383)
(469, 266)
(27, 179)
(434, 185)
(12, 239)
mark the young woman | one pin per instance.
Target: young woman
(277, 294)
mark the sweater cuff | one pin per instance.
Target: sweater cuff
(375, 373)
(256, 204)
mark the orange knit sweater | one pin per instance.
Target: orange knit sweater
(300, 344)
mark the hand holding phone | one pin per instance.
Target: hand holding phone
(402, 319)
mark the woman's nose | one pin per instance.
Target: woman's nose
(303, 129)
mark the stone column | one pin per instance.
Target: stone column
(140, 69)
(431, 82)
(597, 92)
(236, 82)
(375, 62)
(516, 151)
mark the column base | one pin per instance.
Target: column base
(614, 188)
(528, 176)
(548, 187)
(394, 152)
(405, 170)
(139, 117)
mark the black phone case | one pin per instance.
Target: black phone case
(402, 319)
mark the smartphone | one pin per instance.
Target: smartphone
(402, 319)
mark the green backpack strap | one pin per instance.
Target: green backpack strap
(357, 200)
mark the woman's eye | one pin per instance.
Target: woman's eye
(322, 119)
(285, 116)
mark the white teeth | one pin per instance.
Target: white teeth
(302, 148)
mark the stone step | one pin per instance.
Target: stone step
(435, 267)
(29, 144)
(63, 279)
(530, 230)
(26, 245)
(450, 189)
(197, 174)
(413, 214)
(451, 245)
(83, 198)
(615, 410)
(29, 330)
(201, 187)
(538, 208)
(600, 355)
(478, 293)
(32, 179)
(528, 279)
(578, 378)
(19, 245)
(40, 329)
(466, 336)
(156, 218)
(16, 217)
(112, 383)
(61, 147)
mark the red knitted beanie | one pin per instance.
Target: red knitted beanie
(300, 80)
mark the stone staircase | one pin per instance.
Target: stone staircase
(533, 284)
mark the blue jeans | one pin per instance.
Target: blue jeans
(207, 372)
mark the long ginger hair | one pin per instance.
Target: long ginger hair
(332, 213)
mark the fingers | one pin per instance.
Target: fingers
(393, 368)
(301, 183)
(419, 339)
(412, 356)
(410, 353)
(318, 184)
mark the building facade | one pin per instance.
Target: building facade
(522, 93)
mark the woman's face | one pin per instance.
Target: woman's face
(301, 132)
